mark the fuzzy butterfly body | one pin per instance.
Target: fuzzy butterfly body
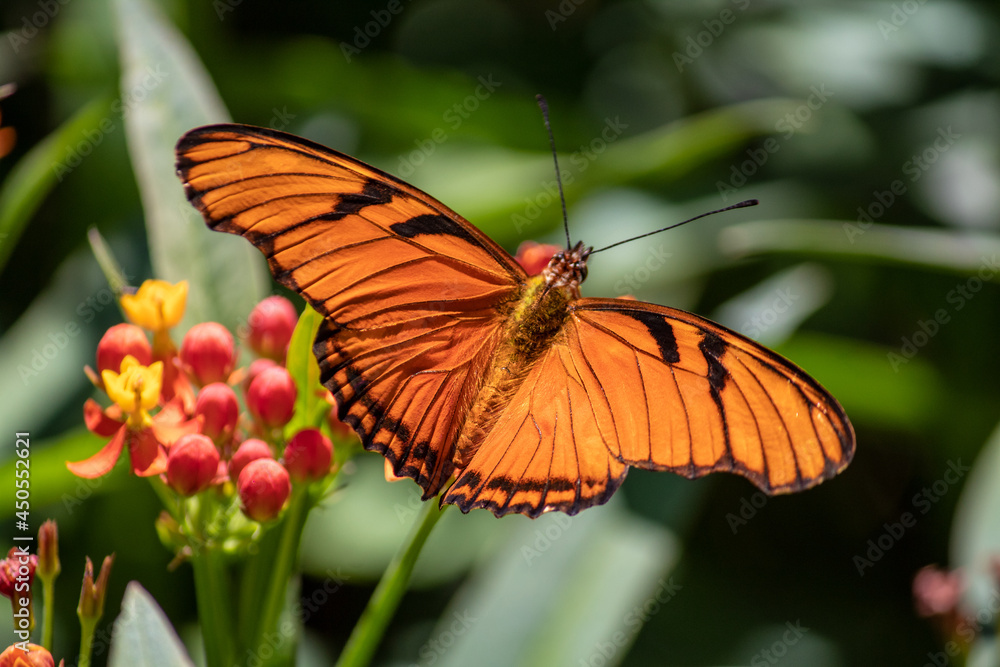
(507, 391)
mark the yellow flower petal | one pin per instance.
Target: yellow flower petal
(157, 305)
(151, 385)
(136, 388)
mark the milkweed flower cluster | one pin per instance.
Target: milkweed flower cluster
(233, 451)
(176, 410)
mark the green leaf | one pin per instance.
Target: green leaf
(491, 186)
(301, 363)
(166, 92)
(562, 590)
(142, 634)
(975, 535)
(51, 482)
(857, 373)
(43, 354)
(937, 249)
(38, 171)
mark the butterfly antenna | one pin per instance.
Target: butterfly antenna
(544, 106)
(742, 204)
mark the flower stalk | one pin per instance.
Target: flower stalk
(375, 618)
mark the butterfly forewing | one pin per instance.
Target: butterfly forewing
(413, 294)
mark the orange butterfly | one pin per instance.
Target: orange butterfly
(448, 359)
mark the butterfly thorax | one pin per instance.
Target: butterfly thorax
(533, 322)
(568, 268)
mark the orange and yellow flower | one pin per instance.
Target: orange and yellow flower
(135, 391)
(157, 305)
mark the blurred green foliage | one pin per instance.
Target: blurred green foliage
(870, 131)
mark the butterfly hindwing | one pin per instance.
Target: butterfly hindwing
(412, 294)
(635, 384)
(542, 455)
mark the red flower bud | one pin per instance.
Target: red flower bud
(17, 568)
(256, 367)
(48, 551)
(192, 463)
(271, 397)
(120, 341)
(207, 353)
(308, 454)
(35, 656)
(92, 593)
(17, 575)
(263, 487)
(534, 257)
(937, 591)
(250, 450)
(271, 324)
(218, 405)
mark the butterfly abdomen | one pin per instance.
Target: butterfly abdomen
(531, 327)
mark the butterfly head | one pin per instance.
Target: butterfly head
(568, 268)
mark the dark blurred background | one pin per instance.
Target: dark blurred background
(870, 132)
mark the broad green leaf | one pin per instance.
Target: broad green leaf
(43, 354)
(975, 533)
(142, 634)
(772, 310)
(509, 194)
(936, 249)
(560, 591)
(38, 172)
(354, 533)
(166, 92)
(859, 375)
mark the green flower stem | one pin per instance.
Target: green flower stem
(371, 626)
(211, 583)
(279, 569)
(167, 497)
(48, 602)
(87, 627)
